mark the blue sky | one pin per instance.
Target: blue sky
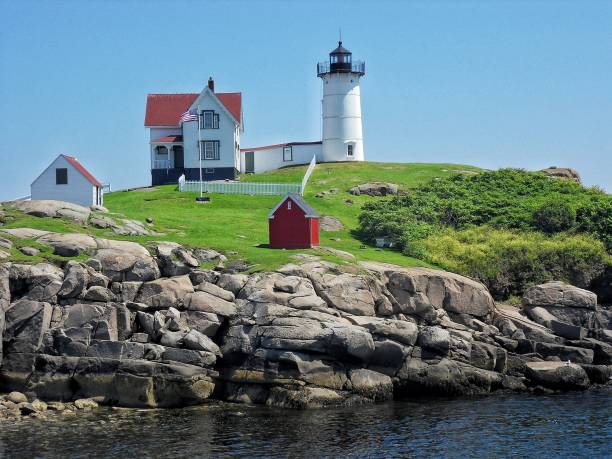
(523, 84)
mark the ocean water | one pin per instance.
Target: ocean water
(571, 425)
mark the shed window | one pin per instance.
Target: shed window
(61, 176)
(288, 154)
(288, 205)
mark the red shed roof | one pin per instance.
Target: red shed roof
(84, 172)
(309, 212)
(166, 109)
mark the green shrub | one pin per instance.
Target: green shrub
(508, 262)
(554, 216)
(505, 199)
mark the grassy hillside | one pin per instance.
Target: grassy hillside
(238, 225)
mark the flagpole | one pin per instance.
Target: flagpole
(200, 148)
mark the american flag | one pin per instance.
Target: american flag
(188, 116)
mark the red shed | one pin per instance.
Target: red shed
(293, 224)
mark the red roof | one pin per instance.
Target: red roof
(166, 109)
(84, 172)
(278, 145)
(169, 139)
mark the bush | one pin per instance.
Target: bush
(509, 262)
(504, 199)
(554, 216)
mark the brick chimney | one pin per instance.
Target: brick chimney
(211, 84)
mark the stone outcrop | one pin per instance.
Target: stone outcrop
(563, 173)
(127, 328)
(374, 189)
(54, 209)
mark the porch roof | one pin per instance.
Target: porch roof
(170, 139)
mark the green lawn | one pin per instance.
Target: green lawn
(238, 225)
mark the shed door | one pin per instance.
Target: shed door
(249, 161)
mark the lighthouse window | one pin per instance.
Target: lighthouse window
(334, 59)
(288, 154)
(349, 150)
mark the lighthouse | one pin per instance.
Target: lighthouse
(342, 129)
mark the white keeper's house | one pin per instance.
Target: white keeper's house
(198, 134)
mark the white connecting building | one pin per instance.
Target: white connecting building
(342, 128)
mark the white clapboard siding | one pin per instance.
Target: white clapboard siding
(78, 190)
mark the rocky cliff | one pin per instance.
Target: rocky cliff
(133, 329)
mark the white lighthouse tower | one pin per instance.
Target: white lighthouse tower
(342, 130)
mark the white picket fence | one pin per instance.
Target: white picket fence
(249, 188)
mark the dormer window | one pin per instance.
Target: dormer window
(209, 120)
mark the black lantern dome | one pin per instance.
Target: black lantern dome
(340, 61)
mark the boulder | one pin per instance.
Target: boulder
(557, 375)
(25, 233)
(165, 292)
(26, 323)
(441, 289)
(69, 244)
(101, 221)
(54, 209)
(189, 357)
(205, 302)
(388, 356)
(131, 228)
(119, 265)
(76, 278)
(132, 248)
(543, 317)
(205, 322)
(562, 173)
(98, 293)
(215, 290)
(5, 243)
(374, 189)
(197, 341)
(208, 255)
(232, 282)
(446, 377)
(174, 260)
(29, 251)
(348, 293)
(329, 223)
(371, 384)
(559, 294)
(198, 276)
(435, 338)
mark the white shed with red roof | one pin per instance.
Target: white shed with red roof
(66, 179)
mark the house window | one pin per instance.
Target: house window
(209, 120)
(349, 150)
(288, 154)
(209, 149)
(161, 151)
(288, 205)
(209, 171)
(61, 176)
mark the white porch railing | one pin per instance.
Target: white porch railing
(162, 164)
(247, 188)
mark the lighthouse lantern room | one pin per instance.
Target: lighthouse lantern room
(342, 129)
